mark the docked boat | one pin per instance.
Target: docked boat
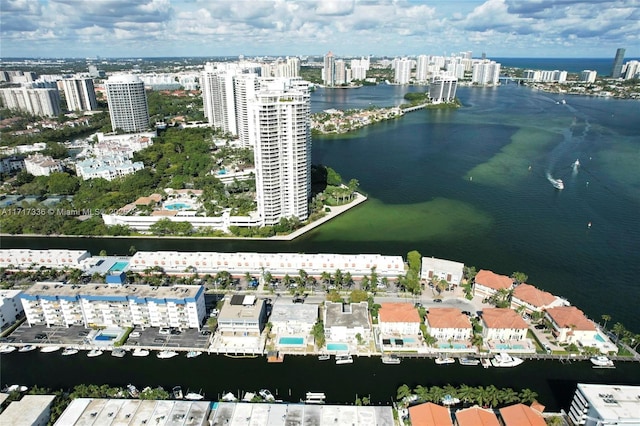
(69, 351)
(266, 395)
(118, 353)
(94, 353)
(344, 359)
(166, 354)
(140, 352)
(441, 360)
(15, 388)
(27, 348)
(486, 362)
(194, 396)
(601, 362)
(324, 357)
(49, 349)
(133, 391)
(391, 359)
(7, 349)
(229, 397)
(315, 398)
(176, 392)
(193, 354)
(503, 359)
(469, 361)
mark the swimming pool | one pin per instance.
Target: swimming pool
(291, 341)
(409, 340)
(508, 346)
(105, 337)
(118, 266)
(177, 206)
(599, 338)
(337, 347)
(452, 346)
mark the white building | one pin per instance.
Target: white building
(443, 89)
(242, 316)
(402, 73)
(448, 270)
(293, 319)
(605, 405)
(35, 259)
(245, 86)
(79, 94)
(41, 165)
(422, 69)
(448, 324)
(631, 70)
(31, 410)
(533, 299)
(488, 283)
(10, 307)
(218, 97)
(359, 68)
(485, 73)
(344, 321)
(503, 324)
(107, 167)
(36, 101)
(279, 132)
(55, 304)
(329, 70)
(570, 325)
(588, 76)
(127, 103)
(398, 319)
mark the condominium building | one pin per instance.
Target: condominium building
(448, 324)
(245, 86)
(36, 101)
(402, 73)
(42, 165)
(588, 76)
(359, 68)
(79, 94)
(344, 321)
(631, 70)
(443, 89)
(422, 68)
(127, 103)
(107, 167)
(448, 270)
(279, 132)
(503, 324)
(10, 307)
(63, 305)
(329, 70)
(218, 97)
(35, 259)
(242, 316)
(485, 73)
(604, 405)
(616, 70)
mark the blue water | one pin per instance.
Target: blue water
(104, 337)
(508, 346)
(177, 206)
(337, 346)
(599, 338)
(291, 341)
(452, 346)
(574, 65)
(118, 266)
(409, 340)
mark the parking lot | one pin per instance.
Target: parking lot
(40, 334)
(152, 338)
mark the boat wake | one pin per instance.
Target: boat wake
(557, 183)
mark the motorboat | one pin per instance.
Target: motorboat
(445, 360)
(557, 183)
(576, 163)
(601, 362)
(193, 354)
(229, 397)
(118, 353)
(469, 361)
(27, 348)
(391, 359)
(344, 359)
(133, 391)
(166, 354)
(69, 351)
(140, 352)
(266, 394)
(324, 357)
(315, 398)
(7, 349)
(15, 388)
(94, 353)
(486, 362)
(176, 392)
(49, 349)
(194, 396)
(503, 359)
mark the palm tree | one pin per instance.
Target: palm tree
(436, 393)
(528, 396)
(451, 390)
(618, 329)
(422, 392)
(325, 277)
(481, 396)
(519, 277)
(338, 277)
(403, 392)
(477, 340)
(508, 396)
(466, 393)
(606, 318)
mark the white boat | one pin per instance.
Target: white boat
(133, 391)
(48, 349)
(324, 357)
(445, 360)
(15, 388)
(140, 352)
(193, 354)
(469, 361)
(118, 353)
(344, 359)
(69, 351)
(229, 397)
(601, 362)
(194, 396)
(177, 392)
(7, 349)
(94, 353)
(315, 398)
(266, 394)
(166, 354)
(576, 163)
(503, 359)
(391, 359)
(27, 348)
(486, 362)
(557, 183)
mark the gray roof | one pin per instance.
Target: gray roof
(302, 312)
(350, 315)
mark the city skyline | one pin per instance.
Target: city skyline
(155, 28)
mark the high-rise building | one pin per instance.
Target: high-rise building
(604, 405)
(443, 89)
(245, 86)
(359, 68)
(402, 71)
(279, 129)
(218, 97)
(616, 71)
(341, 72)
(485, 72)
(422, 68)
(80, 94)
(631, 69)
(40, 102)
(588, 76)
(127, 103)
(329, 70)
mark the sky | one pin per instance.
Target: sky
(155, 28)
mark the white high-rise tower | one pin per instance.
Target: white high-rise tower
(127, 103)
(218, 98)
(80, 94)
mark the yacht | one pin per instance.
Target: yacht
(194, 396)
(324, 357)
(118, 353)
(7, 349)
(503, 359)
(315, 398)
(94, 353)
(133, 391)
(601, 362)
(444, 360)
(27, 348)
(391, 359)
(576, 164)
(469, 361)
(266, 395)
(69, 351)
(166, 354)
(48, 349)
(344, 359)
(139, 352)
(177, 392)
(15, 388)
(193, 354)
(557, 183)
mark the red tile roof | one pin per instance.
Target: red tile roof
(492, 280)
(430, 414)
(447, 318)
(521, 415)
(398, 312)
(533, 296)
(570, 317)
(503, 318)
(476, 416)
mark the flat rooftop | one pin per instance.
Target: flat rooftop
(614, 402)
(26, 411)
(350, 315)
(113, 290)
(299, 312)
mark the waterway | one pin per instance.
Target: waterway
(468, 185)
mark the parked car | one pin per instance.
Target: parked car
(134, 334)
(175, 331)
(298, 300)
(437, 300)
(164, 331)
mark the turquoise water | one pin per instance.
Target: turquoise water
(291, 341)
(506, 346)
(452, 346)
(177, 206)
(408, 339)
(599, 338)
(337, 347)
(118, 266)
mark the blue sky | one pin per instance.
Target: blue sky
(144, 28)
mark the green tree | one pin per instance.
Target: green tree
(414, 259)
(618, 330)
(528, 396)
(403, 392)
(606, 318)
(357, 296)
(318, 334)
(62, 183)
(519, 277)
